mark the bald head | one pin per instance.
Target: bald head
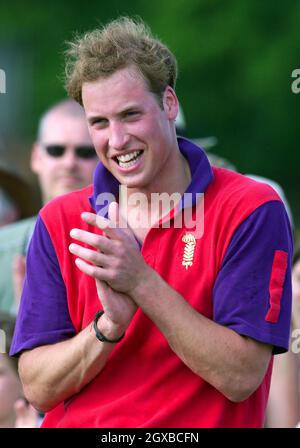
(67, 108)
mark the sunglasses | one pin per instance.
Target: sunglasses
(82, 152)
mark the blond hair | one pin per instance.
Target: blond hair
(122, 43)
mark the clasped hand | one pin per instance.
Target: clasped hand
(113, 259)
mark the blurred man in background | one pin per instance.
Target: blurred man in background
(64, 159)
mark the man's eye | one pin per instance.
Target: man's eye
(132, 113)
(99, 122)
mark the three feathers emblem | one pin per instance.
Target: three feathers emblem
(189, 249)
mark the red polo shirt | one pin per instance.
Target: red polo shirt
(144, 383)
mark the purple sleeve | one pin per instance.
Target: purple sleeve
(43, 317)
(241, 298)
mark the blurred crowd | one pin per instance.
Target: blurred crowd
(63, 159)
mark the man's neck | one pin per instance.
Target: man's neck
(175, 179)
(144, 207)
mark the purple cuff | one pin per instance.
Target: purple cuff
(241, 297)
(43, 317)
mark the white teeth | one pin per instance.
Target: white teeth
(128, 160)
(127, 164)
(128, 157)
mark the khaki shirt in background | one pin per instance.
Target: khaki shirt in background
(14, 240)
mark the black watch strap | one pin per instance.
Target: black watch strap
(101, 336)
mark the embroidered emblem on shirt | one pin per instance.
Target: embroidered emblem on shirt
(189, 249)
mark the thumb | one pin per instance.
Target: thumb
(117, 220)
(115, 216)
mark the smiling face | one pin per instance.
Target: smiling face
(133, 135)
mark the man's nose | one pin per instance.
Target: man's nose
(69, 157)
(118, 136)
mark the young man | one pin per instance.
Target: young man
(128, 320)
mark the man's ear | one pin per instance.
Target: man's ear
(35, 159)
(170, 103)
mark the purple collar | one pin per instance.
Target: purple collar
(201, 172)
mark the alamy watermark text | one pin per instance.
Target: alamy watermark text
(2, 341)
(2, 81)
(296, 84)
(154, 211)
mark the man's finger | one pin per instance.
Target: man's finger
(99, 242)
(91, 270)
(92, 256)
(118, 220)
(113, 213)
(102, 223)
(115, 216)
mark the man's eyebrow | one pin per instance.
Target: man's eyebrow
(92, 118)
(130, 108)
(134, 107)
